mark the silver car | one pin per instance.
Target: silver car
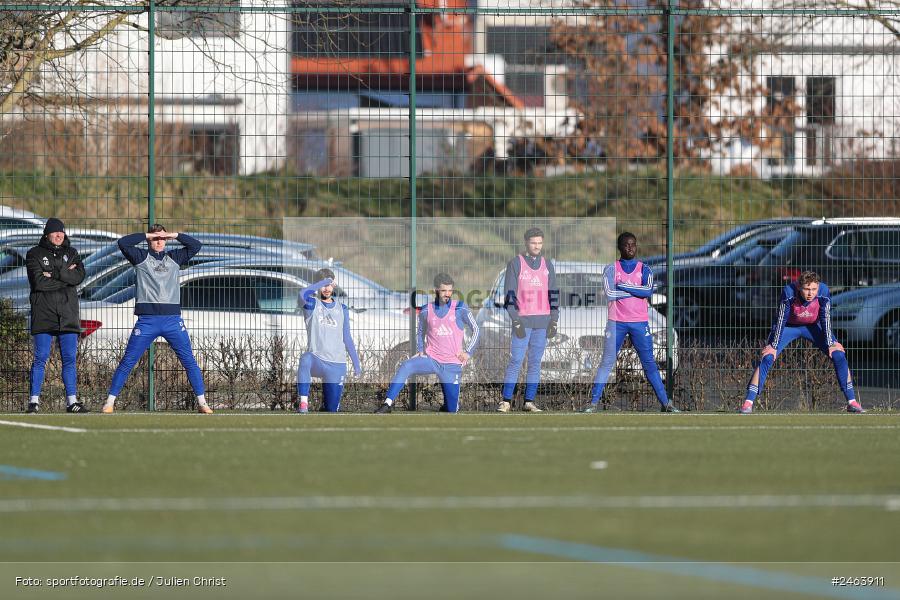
(868, 315)
(14, 218)
(574, 354)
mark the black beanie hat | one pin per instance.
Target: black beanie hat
(54, 225)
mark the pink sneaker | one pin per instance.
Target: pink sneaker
(854, 407)
(746, 408)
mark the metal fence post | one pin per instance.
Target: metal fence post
(413, 316)
(151, 168)
(670, 195)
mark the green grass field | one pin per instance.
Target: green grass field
(464, 505)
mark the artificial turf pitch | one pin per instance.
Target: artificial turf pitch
(468, 505)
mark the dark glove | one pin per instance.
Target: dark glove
(551, 330)
(518, 329)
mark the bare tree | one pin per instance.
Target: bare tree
(617, 75)
(30, 39)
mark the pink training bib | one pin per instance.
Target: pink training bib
(444, 338)
(630, 309)
(533, 294)
(803, 315)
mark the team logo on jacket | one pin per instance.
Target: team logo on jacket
(805, 313)
(45, 261)
(327, 320)
(136, 332)
(161, 267)
(443, 330)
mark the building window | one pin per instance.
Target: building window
(173, 24)
(780, 94)
(526, 50)
(353, 35)
(820, 100)
(199, 148)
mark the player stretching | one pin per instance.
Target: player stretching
(157, 304)
(328, 342)
(628, 284)
(439, 341)
(532, 302)
(803, 312)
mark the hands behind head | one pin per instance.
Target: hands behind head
(161, 235)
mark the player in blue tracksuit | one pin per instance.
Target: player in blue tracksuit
(440, 341)
(157, 304)
(628, 284)
(532, 302)
(804, 311)
(328, 343)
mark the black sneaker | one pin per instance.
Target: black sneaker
(669, 408)
(443, 408)
(77, 407)
(33, 407)
(383, 409)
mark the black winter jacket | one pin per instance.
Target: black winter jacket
(54, 299)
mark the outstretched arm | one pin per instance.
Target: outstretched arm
(348, 343)
(420, 330)
(552, 292)
(465, 319)
(511, 289)
(784, 309)
(825, 320)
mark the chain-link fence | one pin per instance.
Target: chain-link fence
(394, 140)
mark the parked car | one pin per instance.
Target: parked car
(846, 253)
(105, 255)
(104, 262)
(116, 277)
(574, 354)
(12, 256)
(31, 236)
(709, 295)
(16, 218)
(237, 304)
(869, 315)
(724, 243)
(353, 289)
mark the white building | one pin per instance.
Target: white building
(840, 73)
(221, 88)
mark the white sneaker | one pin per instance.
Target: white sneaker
(503, 406)
(531, 407)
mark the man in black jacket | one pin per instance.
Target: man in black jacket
(54, 272)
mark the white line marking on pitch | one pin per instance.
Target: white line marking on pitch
(710, 428)
(39, 426)
(73, 505)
